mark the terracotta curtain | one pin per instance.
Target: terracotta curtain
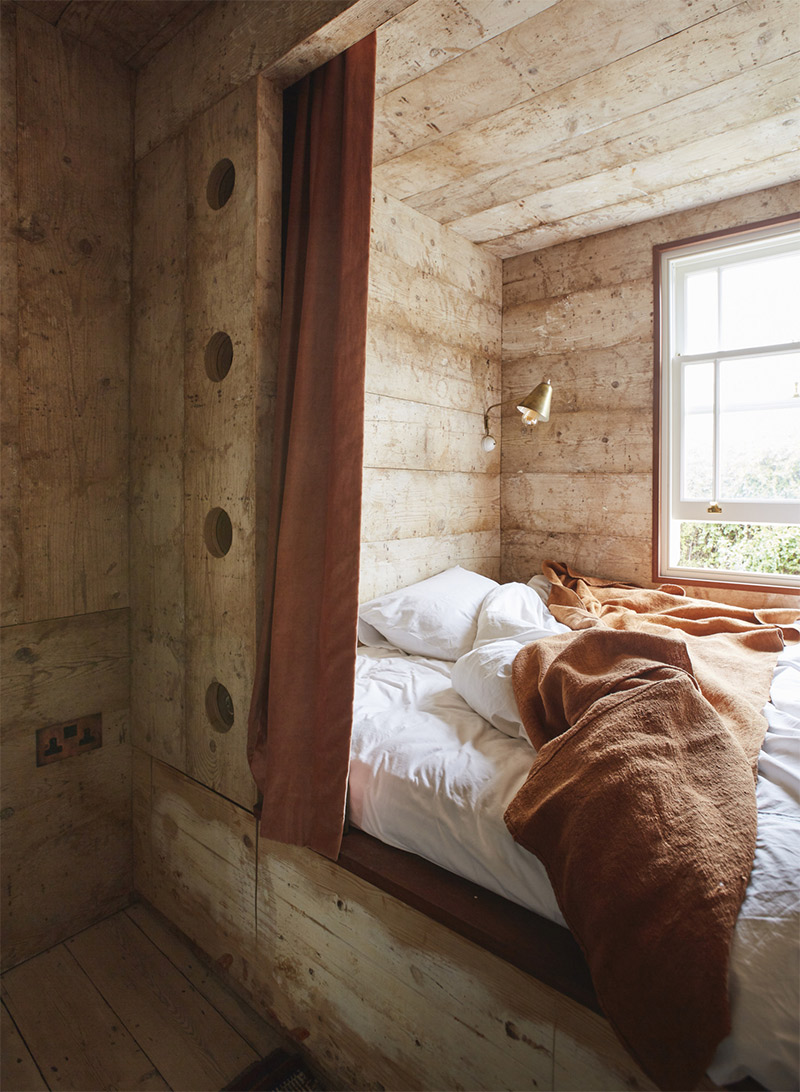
(301, 710)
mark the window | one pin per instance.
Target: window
(729, 402)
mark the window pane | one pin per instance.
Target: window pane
(698, 431)
(741, 547)
(760, 429)
(701, 334)
(760, 302)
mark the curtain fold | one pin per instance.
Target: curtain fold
(301, 710)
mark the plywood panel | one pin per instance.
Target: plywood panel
(373, 971)
(418, 436)
(611, 441)
(596, 318)
(433, 338)
(157, 440)
(587, 504)
(203, 868)
(417, 504)
(617, 558)
(393, 564)
(66, 827)
(74, 224)
(71, 1028)
(588, 379)
(226, 437)
(11, 591)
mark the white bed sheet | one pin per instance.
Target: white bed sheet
(430, 776)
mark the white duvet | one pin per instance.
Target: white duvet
(431, 775)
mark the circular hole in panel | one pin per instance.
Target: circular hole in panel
(219, 356)
(219, 707)
(220, 184)
(218, 532)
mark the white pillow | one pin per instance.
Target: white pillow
(515, 611)
(437, 617)
(483, 679)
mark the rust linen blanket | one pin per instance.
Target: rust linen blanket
(641, 800)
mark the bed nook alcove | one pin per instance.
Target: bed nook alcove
(528, 157)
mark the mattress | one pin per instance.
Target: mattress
(431, 776)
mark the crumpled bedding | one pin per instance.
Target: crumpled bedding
(431, 776)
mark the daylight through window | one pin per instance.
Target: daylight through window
(730, 408)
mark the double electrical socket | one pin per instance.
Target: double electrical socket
(73, 737)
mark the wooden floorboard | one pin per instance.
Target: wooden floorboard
(127, 1004)
(73, 1033)
(259, 1033)
(18, 1070)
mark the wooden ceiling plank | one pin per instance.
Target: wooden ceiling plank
(177, 19)
(567, 41)
(432, 32)
(698, 57)
(744, 146)
(49, 10)
(111, 26)
(774, 171)
(751, 95)
(230, 43)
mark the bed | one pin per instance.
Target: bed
(439, 751)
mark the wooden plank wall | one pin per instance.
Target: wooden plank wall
(579, 489)
(199, 442)
(66, 834)
(431, 494)
(377, 994)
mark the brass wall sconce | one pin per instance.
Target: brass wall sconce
(534, 407)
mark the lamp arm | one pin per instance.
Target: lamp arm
(505, 402)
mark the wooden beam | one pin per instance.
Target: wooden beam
(230, 43)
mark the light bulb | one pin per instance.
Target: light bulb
(488, 443)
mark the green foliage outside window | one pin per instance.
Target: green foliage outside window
(741, 547)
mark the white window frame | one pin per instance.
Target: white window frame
(673, 263)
